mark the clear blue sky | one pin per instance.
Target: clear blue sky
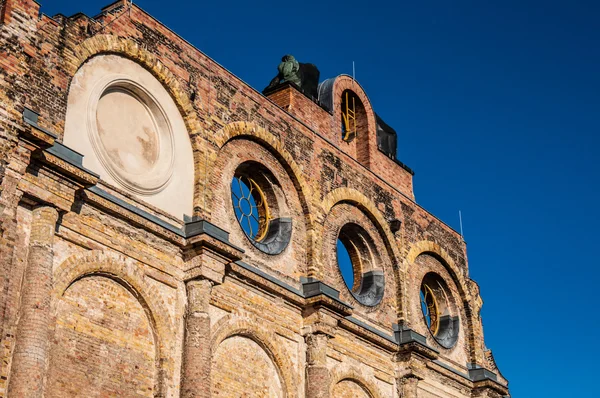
(497, 110)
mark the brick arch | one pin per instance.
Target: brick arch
(343, 83)
(229, 327)
(128, 275)
(254, 132)
(338, 375)
(428, 247)
(111, 44)
(349, 195)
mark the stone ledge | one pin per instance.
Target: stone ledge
(37, 133)
(369, 333)
(68, 162)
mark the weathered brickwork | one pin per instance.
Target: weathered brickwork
(104, 294)
(103, 341)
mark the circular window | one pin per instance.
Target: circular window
(439, 311)
(251, 207)
(131, 135)
(355, 258)
(254, 195)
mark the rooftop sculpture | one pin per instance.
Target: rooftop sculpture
(304, 76)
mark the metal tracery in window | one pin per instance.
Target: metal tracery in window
(430, 309)
(259, 206)
(348, 116)
(251, 207)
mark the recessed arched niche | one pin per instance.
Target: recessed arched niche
(349, 388)
(242, 368)
(130, 131)
(103, 341)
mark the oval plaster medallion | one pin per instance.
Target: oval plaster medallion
(131, 135)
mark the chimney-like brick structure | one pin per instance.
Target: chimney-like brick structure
(288, 97)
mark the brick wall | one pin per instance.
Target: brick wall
(102, 342)
(120, 316)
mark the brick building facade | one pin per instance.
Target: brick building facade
(126, 267)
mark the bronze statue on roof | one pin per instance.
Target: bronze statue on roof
(304, 76)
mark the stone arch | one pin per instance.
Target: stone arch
(127, 274)
(111, 44)
(466, 299)
(274, 145)
(254, 132)
(349, 195)
(228, 327)
(354, 375)
(426, 246)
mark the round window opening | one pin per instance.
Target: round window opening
(439, 312)
(132, 136)
(355, 259)
(255, 198)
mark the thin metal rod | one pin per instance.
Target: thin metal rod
(461, 224)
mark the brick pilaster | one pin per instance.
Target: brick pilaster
(197, 349)
(32, 341)
(486, 393)
(407, 387)
(318, 378)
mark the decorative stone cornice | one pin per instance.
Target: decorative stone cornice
(60, 158)
(484, 379)
(36, 133)
(206, 257)
(52, 153)
(261, 279)
(369, 333)
(411, 343)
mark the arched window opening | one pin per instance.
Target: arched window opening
(354, 116)
(439, 312)
(356, 258)
(255, 196)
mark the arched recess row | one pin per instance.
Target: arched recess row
(252, 132)
(356, 381)
(115, 272)
(244, 335)
(356, 198)
(466, 297)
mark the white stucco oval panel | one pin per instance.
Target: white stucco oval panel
(130, 131)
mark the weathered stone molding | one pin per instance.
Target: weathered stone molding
(318, 376)
(408, 386)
